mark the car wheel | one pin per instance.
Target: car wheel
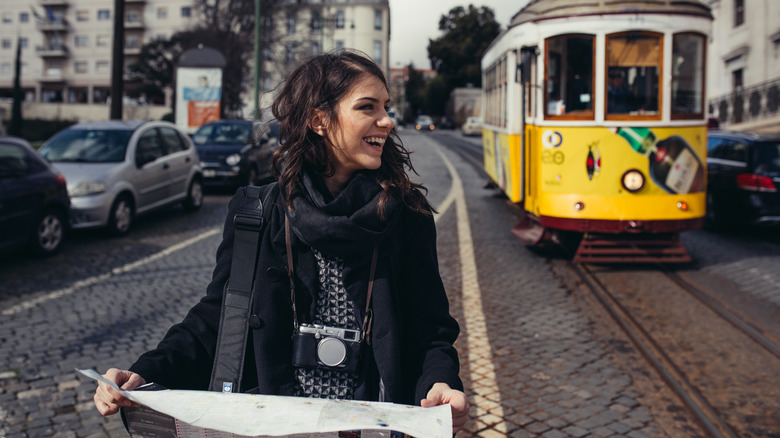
(194, 199)
(49, 233)
(121, 217)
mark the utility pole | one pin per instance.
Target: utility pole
(258, 62)
(118, 60)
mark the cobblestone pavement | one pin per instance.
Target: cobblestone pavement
(536, 357)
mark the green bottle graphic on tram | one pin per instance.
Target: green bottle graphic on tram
(674, 165)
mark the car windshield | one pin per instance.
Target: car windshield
(424, 120)
(767, 157)
(223, 134)
(88, 146)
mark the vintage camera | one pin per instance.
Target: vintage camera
(330, 347)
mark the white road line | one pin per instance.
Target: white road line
(103, 277)
(481, 368)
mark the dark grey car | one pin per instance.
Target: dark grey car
(33, 200)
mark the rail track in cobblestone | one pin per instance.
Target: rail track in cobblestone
(727, 401)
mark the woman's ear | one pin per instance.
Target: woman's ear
(318, 122)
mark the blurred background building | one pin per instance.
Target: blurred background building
(743, 75)
(66, 47)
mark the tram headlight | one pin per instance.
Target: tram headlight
(633, 180)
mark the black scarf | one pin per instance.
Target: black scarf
(347, 224)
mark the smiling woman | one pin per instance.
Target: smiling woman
(357, 239)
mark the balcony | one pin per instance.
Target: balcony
(56, 25)
(134, 25)
(53, 76)
(758, 102)
(53, 2)
(135, 2)
(52, 51)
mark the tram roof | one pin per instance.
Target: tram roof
(538, 10)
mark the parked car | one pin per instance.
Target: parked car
(424, 124)
(34, 200)
(393, 114)
(118, 170)
(472, 126)
(743, 175)
(234, 152)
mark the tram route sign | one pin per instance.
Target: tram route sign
(190, 414)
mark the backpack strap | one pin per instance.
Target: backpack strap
(249, 221)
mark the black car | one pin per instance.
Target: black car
(34, 200)
(234, 152)
(743, 175)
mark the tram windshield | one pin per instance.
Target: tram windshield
(569, 89)
(688, 75)
(633, 67)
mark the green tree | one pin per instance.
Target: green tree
(436, 95)
(456, 55)
(414, 93)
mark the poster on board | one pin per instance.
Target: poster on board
(198, 95)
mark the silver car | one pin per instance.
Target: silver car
(117, 170)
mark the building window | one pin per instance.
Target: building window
(102, 67)
(291, 23)
(5, 68)
(377, 20)
(24, 17)
(23, 42)
(186, 11)
(634, 74)
(688, 75)
(340, 19)
(7, 18)
(81, 40)
(316, 20)
(162, 12)
(289, 53)
(103, 14)
(570, 77)
(103, 40)
(6, 43)
(737, 80)
(132, 42)
(339, 45)
(80, 66)
(378, 52)
(315, 48)
(739, 12)
(82, 15)
(133, 17)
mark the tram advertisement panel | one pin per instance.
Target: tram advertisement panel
(503, 160)
(593, 160)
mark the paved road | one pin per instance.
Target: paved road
(534, 360)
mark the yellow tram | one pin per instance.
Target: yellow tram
(595, 122)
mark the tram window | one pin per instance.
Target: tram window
(569, 77)
(688, 76)
(633, 67)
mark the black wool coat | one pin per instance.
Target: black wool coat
(411, 339)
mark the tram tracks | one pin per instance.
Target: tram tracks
(725, 405)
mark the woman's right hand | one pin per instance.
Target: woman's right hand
(107, 399)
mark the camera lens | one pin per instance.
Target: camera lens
(331, 352)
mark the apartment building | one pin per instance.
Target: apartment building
(743, 77)
(66, 45)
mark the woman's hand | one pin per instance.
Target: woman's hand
(440, 394)
(107, 400)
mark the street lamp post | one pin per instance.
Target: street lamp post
(118, 60)
(257, 59)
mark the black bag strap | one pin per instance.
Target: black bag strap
(249, 221)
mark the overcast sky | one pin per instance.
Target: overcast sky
(414, 22)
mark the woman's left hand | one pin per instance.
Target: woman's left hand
(440, 394)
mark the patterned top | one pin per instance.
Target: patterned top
(335, 309)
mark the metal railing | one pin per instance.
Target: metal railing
(754, 103)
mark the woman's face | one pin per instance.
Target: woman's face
(356, 138)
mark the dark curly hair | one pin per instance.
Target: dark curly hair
(320, 83)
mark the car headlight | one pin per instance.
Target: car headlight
(233, 159)
(86, 188)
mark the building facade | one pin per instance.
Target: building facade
(66, 45)
(743, 77)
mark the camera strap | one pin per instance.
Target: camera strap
(248, 221)
(368, 316)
